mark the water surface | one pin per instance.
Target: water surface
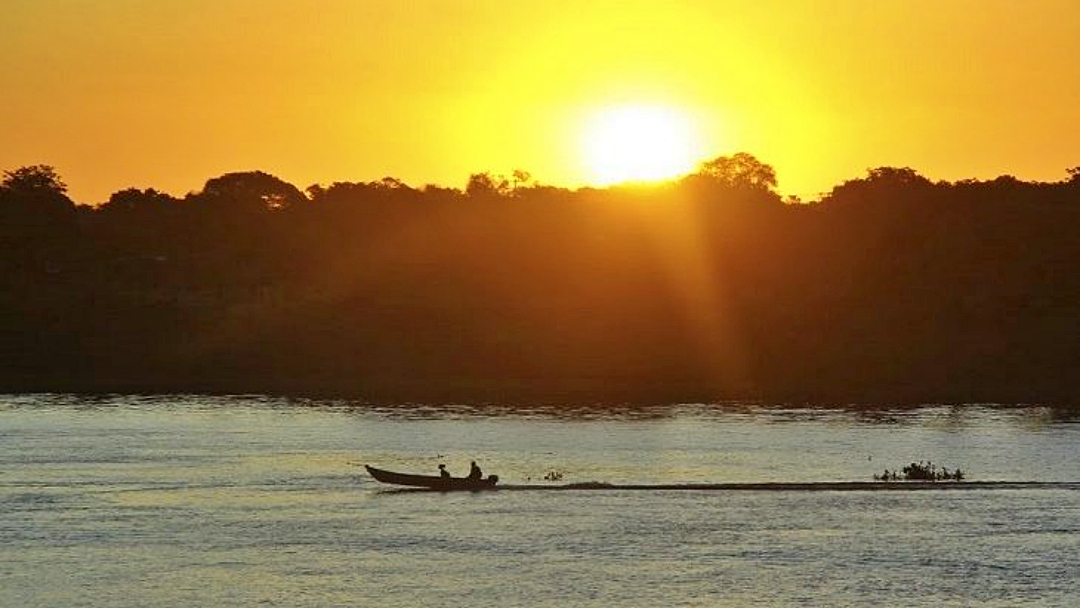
(247, 500)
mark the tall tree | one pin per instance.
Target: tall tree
(36, 214)
(740, 170)
(486, 184)
(253, 189)
(34, 179)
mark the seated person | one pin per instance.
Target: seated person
(474, 472)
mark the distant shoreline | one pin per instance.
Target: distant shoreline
(520, 393)
(893, 290)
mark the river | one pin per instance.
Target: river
(177, 501)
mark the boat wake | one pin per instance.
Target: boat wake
(773, 486)
(814, 486)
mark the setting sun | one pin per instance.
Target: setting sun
(639, 143)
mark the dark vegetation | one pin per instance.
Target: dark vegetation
(921, 471)
(890, 289)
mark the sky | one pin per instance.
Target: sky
(166, 94)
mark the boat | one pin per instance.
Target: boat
(433, 482)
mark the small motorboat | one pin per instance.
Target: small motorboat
(433, 482)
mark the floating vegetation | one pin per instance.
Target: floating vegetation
(553, 475)
(921, 471)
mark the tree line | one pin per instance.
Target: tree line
(891, 288)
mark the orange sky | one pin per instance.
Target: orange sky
(165, 94)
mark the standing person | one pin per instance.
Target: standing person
(474, 471)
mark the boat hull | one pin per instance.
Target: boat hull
(432, 482)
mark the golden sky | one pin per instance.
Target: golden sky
(167, 93)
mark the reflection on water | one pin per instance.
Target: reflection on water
(956, 414)
(247, 500)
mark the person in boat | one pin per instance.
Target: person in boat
(443, 473)
(474, 472)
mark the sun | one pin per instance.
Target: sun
(638, 143)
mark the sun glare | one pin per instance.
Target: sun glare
(639, 144)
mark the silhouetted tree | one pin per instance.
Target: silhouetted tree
(895, 176)
(32, 201)
(35, 179)
(882, 188)
(133, 200)
(486, 184)
(520, 179)
(139, 223)
(253, 190)
(741, 170)
(391, 183)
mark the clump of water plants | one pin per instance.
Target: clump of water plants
(553, 475)
(921, 471)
